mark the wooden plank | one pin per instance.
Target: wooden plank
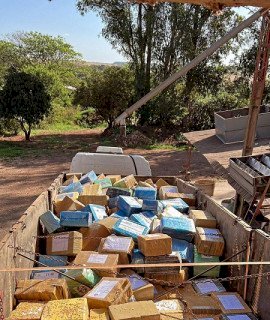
(242, 181)
(266, 160)
(258, 166)
(242, 172)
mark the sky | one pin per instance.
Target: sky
(58, 17)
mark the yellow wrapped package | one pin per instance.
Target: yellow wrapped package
(41, 290)
(99, 314)
(67, 309)
(27, 311)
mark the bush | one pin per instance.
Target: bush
(9, 127)
(89, 119)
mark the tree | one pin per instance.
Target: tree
(108, 91)
(24, 98)
(161, 39)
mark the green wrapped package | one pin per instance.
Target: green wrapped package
(200, 258)
(87, 279)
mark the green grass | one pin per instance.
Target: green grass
(162, 146)
(10, 149)
(56, 129)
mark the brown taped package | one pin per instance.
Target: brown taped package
(231, 303)
(101, 199)
(209, 242)
(143, 310)
(144, 184)
(190, 199)
(27, 311)
(202, 219)
(70, 180)
(166, 189)
(157, 244)
(93, 235)
(108, 223)
(150, 181)
(91, 189)
(176, 278)
(114, 178)
(96, 260)
(101, 176)
(177, 293)
(170, 309)
(202, 304)
(142, 289)
(73, 174)
(109, 291)
(75, 309)
(99, 314)
(64, 244)
(160, 183)
(172, 195)
(41, 290)
(121, 245)
(170, 258)
(67, 204)
(127, 182)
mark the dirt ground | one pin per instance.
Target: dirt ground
(22, 179)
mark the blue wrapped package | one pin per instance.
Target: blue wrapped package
(53, 261)
(129, 228)
(50, 221)
(129, 204)
(112, 203)
(98, 212)
(180, 228)
(75, 219)
(149, 214)
(141, 219)
(185, 249)
(152, 205)
(73, 187)
(113, 192)
(120, 214)
(137, 258)
(177, 203)
(90, 177)
(145, 193)
(105, 183)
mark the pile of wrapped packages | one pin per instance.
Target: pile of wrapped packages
(102, 222)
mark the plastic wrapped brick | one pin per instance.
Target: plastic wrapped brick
(27, 311)
(178, 204)
(137, 258)
(53, 261)
(87, 279)
(145, 193)
(185, 249)
(208, 286)
(105, 183)
(245, 316)
(129, 204)
(129, 228)
(170, 212)
(89, 177)
(45, 274)
(50, 221)
(75, 219)
(98, 212)
(113, 192)
(180, 228)
(152, 205)
(200, 258)
(75, 309)
(112, 203)
(141, 219)
(73, 187)
(149, 214)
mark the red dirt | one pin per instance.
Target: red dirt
(23, 179)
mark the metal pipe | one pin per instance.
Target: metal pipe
(162, 86)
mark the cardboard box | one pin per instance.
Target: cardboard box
(50, 221)
(109, 291)
(96, 260)
(120, 245)
(126, 183)
(231, 303)
(202, 304)
(176, 278)
(65, 243)
(129, 228)
(109, 223)
(75, 219)
(27, 311)
(92, 236)
(209, 242)
(190, 199)
(114, 178)
(150, 181)
(170, 258)
(72, 179)
(74, 174)
(160, 183)
(141, 288)
(41, 290)
(75, 309)
(170, 309)
(203, 219)
(142, 310)
(99, 314)
(84, 280)
(101, 176)
(155, 244)
(172, 195)
(101, 200)
(91, 189)
(145, 184)
(67, 204)
(61, 196)
(166, 189)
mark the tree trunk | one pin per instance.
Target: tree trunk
(27, 135)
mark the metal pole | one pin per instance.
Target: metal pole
(162, 86)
